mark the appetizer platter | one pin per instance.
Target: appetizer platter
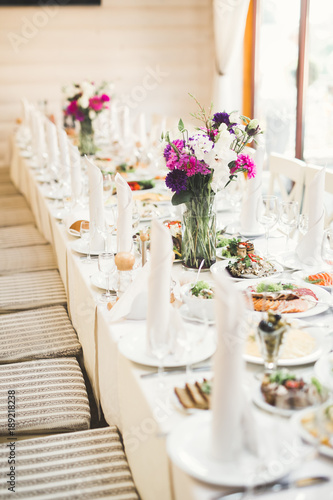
(152, 197)
(316, 426)
(286, 297)
(249, 267)
(233, 248)
(175, 229)
(199, 299)
(283, 393)
(323, 279)
(194, 396)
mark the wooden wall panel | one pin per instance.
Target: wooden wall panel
(121, 41)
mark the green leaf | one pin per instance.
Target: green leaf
(182, 197)
(181, 126)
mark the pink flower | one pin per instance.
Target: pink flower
(105, 98)
(244, 163)
(96, 103)
(72, 108)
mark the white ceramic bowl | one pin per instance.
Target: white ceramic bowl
(198, 307)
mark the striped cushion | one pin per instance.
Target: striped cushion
(31, 290)
(20, 236)
(4, 174)
(81, 465)
(50, 396)
(24, 259)
(7, 188)
(15, 217)
(17, 201)
(36, 334)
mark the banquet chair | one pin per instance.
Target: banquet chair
(8, 189)
(4, 175)
(37, 334)
(50, 397)
(25, 259)
(23, 291)
(20, 236)
(15, 216)
(15, 201)
(87, 465)
(286, 177)
(311, 171)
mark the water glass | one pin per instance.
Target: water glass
(85, 237)
(303, 224)
(107, 187)
(267, 214)
(160, 344)
(106, 266)
(289, 213)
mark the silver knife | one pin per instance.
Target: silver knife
(276, 487)
(171, 371)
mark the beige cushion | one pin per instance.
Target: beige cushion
(31, 290)
(78, 466)
(15, 217)
(8, 188)
(24, 259)
(4, 174)
(50, 396)
(16, 201)
(36, 334)
(20, 236)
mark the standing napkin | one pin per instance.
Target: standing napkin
(253, 190)
(124, 222)
(64, 154)
(309, 248)
(52, 143)
(76, 174)
(161, 257)
(96, 205)
(230, 416)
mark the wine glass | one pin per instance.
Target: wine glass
(327, 252)
(233, 195)
(160, 342)
(303, 224)
(106, 266)
(107, 187)
(267, 214)
(289, 213)
(85, 236)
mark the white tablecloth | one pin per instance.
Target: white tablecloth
(143, 415)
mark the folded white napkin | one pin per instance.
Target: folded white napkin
(52, 143)
(253, 190)
(308, 249)
(64, 154)
(38, 138)
(76, 174)
(230, 411)
(161, 257)
(96, 205)
(124, 222)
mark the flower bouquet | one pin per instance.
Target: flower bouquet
(85, 102)
(198, 167)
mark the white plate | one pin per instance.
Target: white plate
(220, 256)
(304, 434)
(163, 212)
(219, 266)
(185, 313)
(289, 260)
(323, 345)
(99, 280)
(324, 370)
(188, 446)
(301, 275)
(73, 232)
(52, 195)
(133, 345)
(81, 247)
(320, 294)
(259, 400)
(252, 234)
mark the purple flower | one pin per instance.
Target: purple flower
(220, 118)
(176, 180)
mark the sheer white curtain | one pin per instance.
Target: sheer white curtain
(229, 27)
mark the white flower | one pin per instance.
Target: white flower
(92, 114)
(220, 175)
(70, 91)
(202, 146)
(234, 117)
(239, 130)
(253, 124)
(88, 89)
(83, 102)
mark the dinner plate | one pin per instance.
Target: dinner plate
(161, 212)
(188, 445)
(99, 280)
(219, 266)
(318, 308)
(324, 370)
(133, 345)
(187, 316)
(289, 260)
(81, 247)
(322, 346)
(302, 274)
(220, 256)
(296, 423)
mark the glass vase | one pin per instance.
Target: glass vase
(86, 138)
(199, 233)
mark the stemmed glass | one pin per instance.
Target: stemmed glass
(267, 214)
(289, 213)
(160, 343)
(106, 266)
(233, 195)
(107, 187)
(303, 224)
(85, 236)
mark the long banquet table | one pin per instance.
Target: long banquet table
(144, 416)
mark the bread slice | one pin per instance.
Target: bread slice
(185, 398)
(196, 394)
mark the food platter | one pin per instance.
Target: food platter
(222, 265)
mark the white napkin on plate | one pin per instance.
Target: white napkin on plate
(124, 222)
(64, 154)
(96, 205)
(161, 257)
(52, 142)
(76, 174)
(308, 249)
(253, 190)
(230, 412)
